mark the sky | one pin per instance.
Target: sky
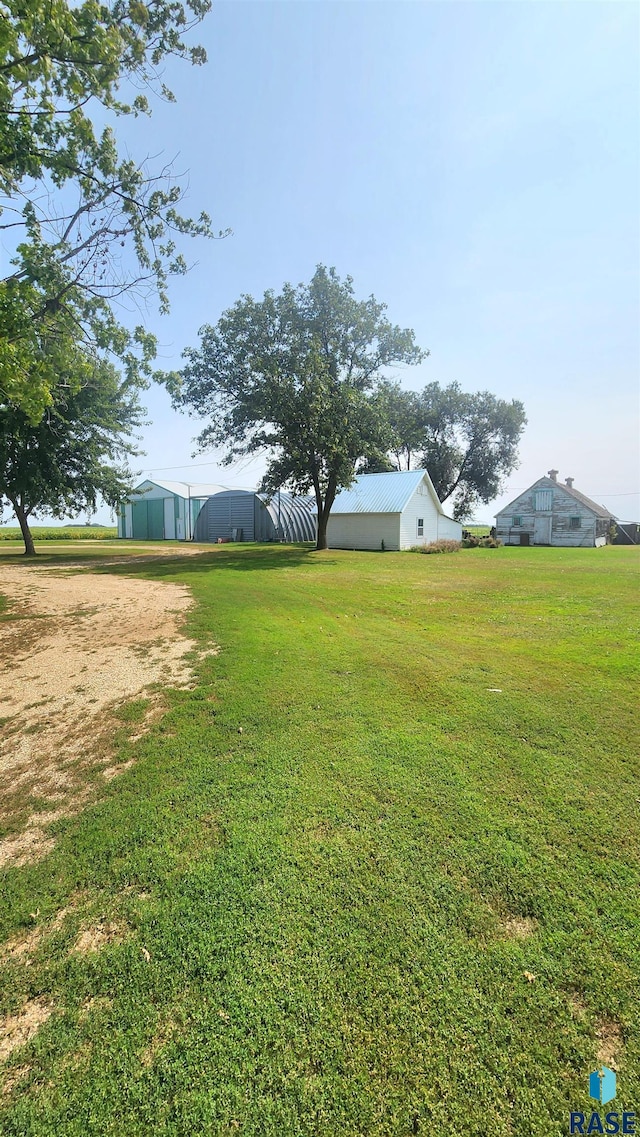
(473, 165)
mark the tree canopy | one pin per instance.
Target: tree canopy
(297, 375)
(89, 226)
(77, 450)
(468, 443)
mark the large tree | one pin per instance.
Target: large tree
(88, 224)
(467, 442)
(296, 375)
(78, 450)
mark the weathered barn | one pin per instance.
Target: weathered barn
(389, 511)
(241, 515)
(163, 511)
(553, 513)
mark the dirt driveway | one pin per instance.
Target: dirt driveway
(74, 646)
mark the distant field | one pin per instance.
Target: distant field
(63, 533)
(376, 874)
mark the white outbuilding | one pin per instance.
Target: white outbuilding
(161, 510)
(389, 511)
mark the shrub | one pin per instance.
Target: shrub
(441, 546)
(472, 542)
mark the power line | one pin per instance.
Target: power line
(191, 466)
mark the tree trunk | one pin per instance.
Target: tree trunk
(324, 510)
(321, 539)
(29, 547)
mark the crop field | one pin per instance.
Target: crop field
(374, 871)
(61, 533)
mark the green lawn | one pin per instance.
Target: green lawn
(378, 896)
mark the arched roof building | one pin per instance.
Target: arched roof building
(241, 515)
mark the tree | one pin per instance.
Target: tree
(467, 442)
(405, 411)
(79, 449)
(297, 375)
(470, 445)
(89, 225)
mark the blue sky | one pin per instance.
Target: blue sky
(474, 165)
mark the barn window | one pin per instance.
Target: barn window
(544, 500)
(421, 527)
(517, 521)
(574, 522)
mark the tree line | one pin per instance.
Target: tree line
(301, 376)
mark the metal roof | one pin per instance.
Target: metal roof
(182, 489)
(599, 510)
(383, 493)
(293, 518)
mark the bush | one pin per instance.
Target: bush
(473, 542)
(442, 546)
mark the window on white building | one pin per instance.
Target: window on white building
(421, 527)
(517, 521)
(574, 522)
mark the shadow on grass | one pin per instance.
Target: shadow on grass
(245, 558)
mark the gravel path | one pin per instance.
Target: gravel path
(74, 646)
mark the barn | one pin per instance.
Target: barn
(240, 515)
(389, 511)
(163, 511)
(554, 513)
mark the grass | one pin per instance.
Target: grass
(320, 856)
(477, 530)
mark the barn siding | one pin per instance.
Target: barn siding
(563, 508)
(448, 529)
(422, 505)
(364, 531)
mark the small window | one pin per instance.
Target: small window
(574, 522)
(517, 521)
(421, 527)
(544, 500)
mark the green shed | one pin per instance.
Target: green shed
(163, 511)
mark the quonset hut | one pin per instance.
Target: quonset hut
(240, 515)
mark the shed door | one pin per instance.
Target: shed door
(169, 519)
(542, 530)
(140, 527)
(156, 519)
